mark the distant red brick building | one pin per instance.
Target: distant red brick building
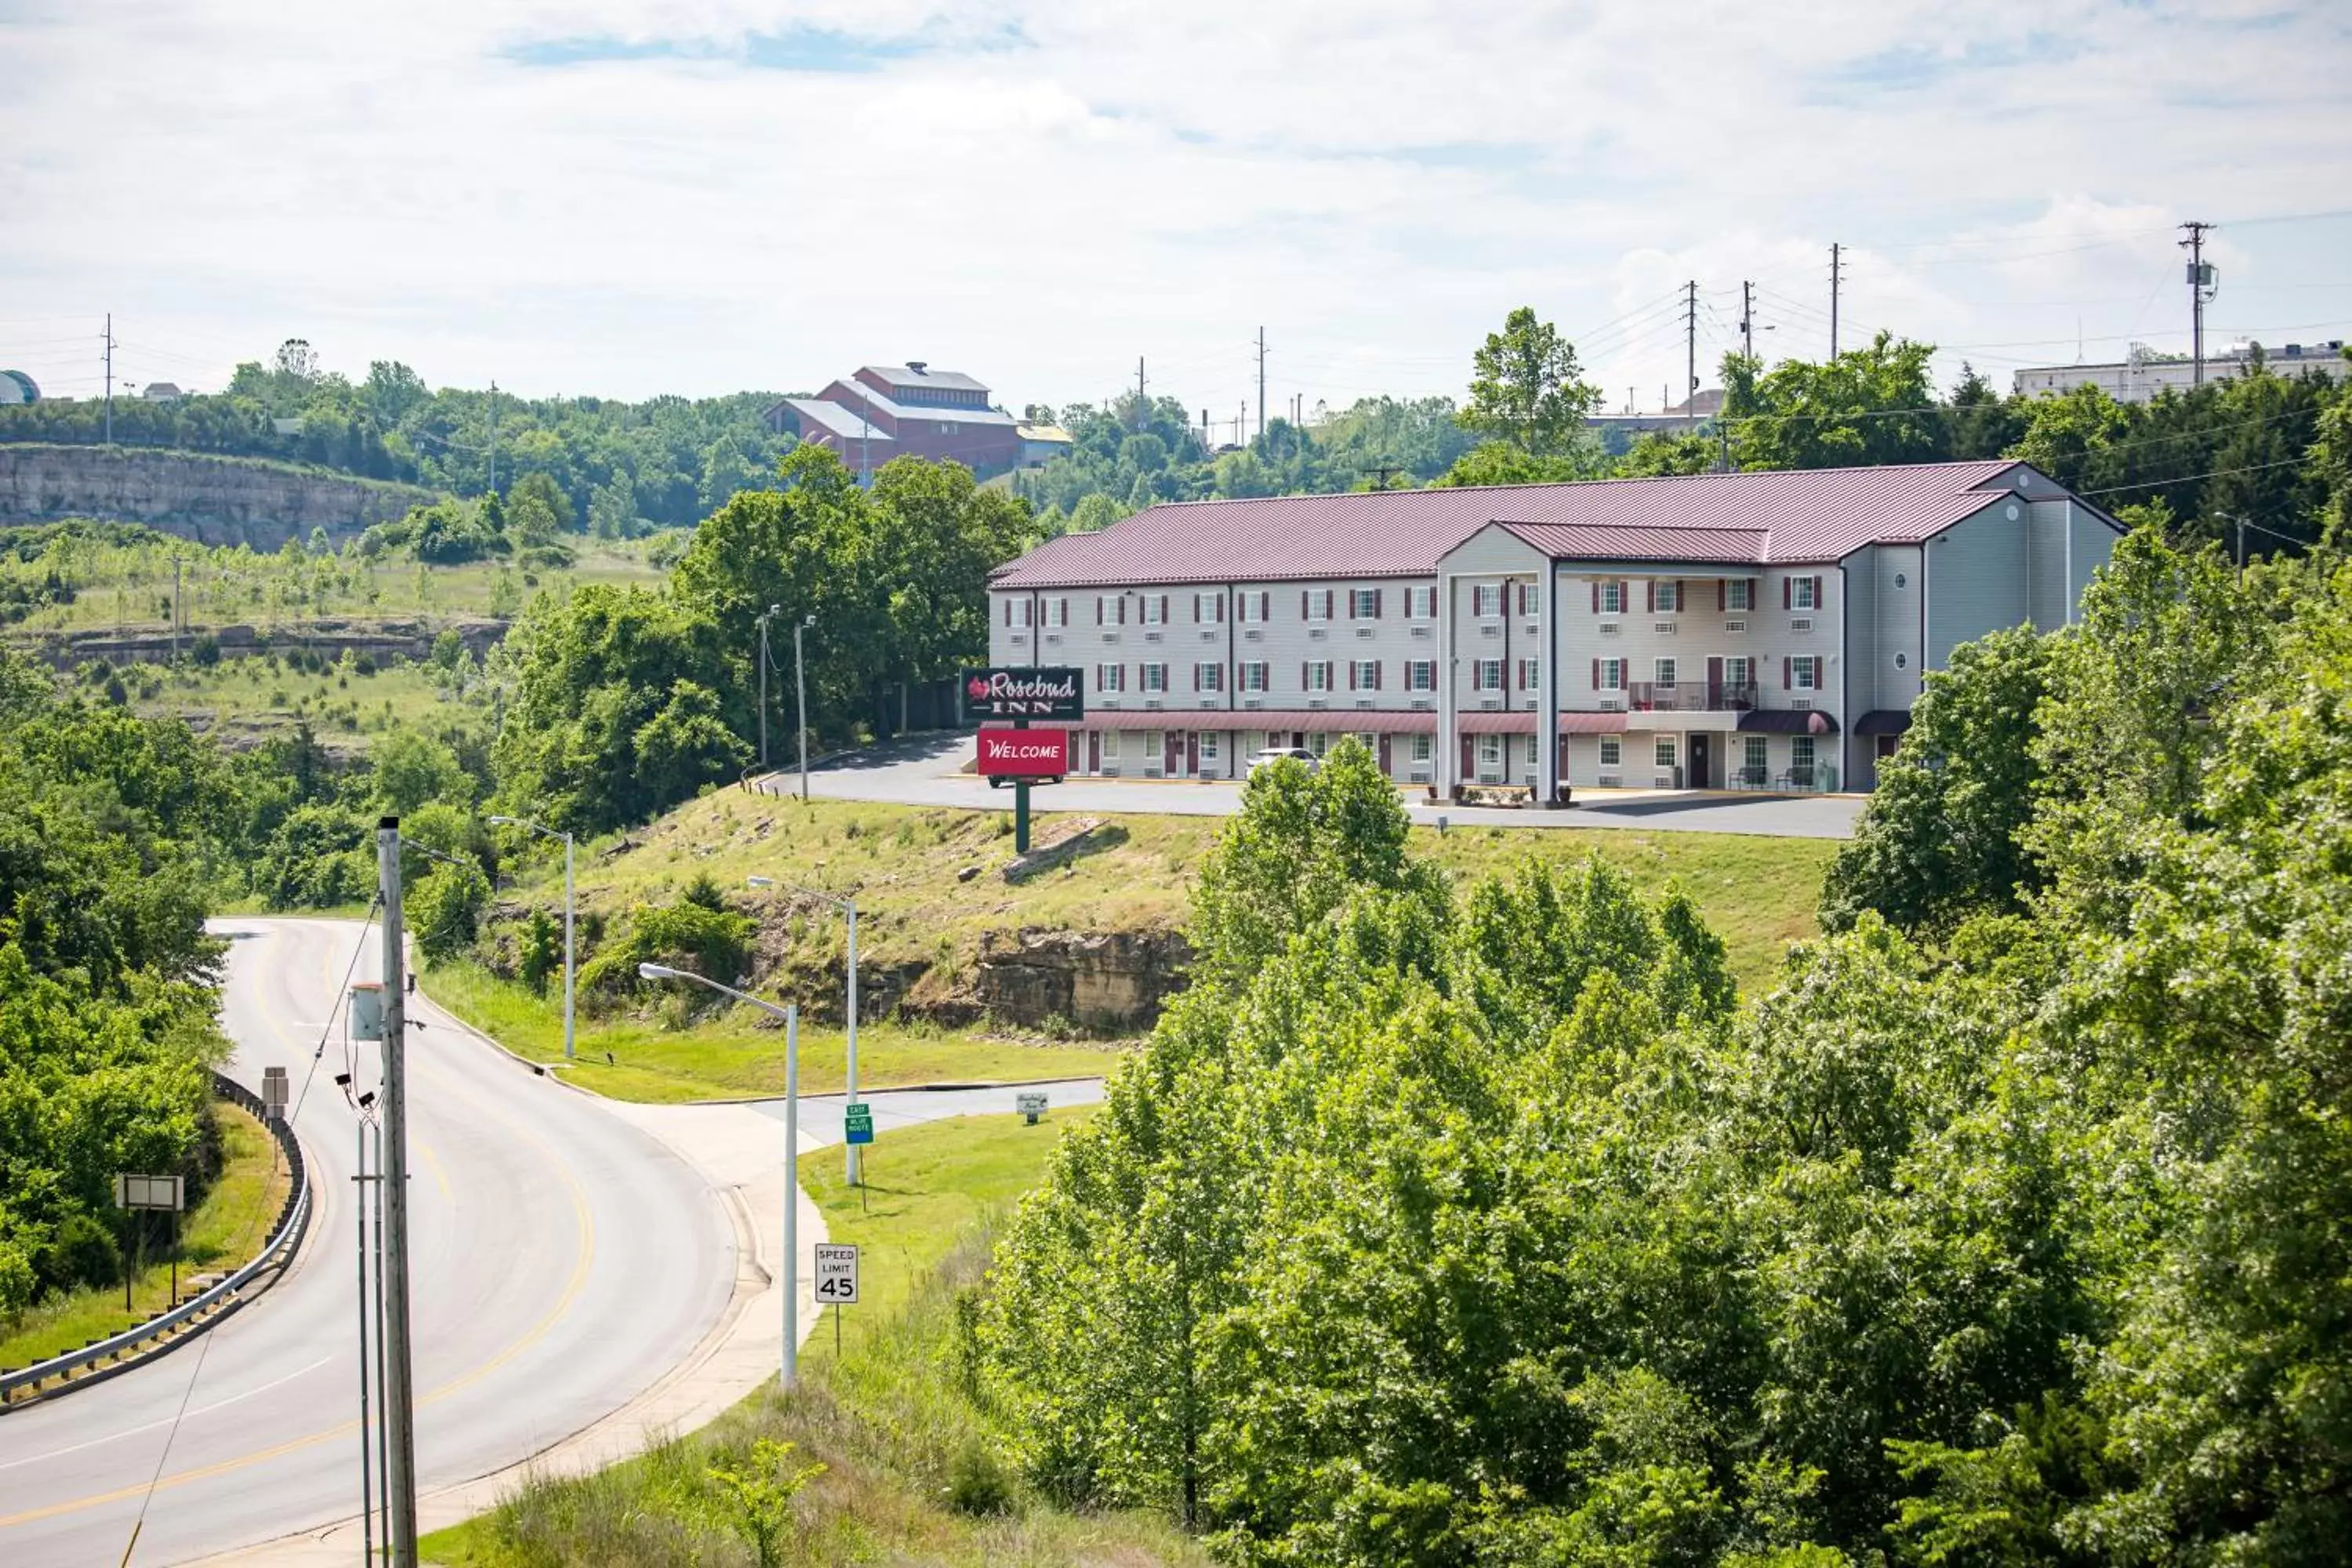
(885, 411)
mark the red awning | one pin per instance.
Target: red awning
(1497, 722)
(1592, 723)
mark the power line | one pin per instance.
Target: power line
(2190, 479)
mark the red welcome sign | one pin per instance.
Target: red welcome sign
(1024, 754)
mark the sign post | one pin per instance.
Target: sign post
(858, 1122)
(1019, 695)
(1031, 1103)
(139, 1195)
(837, 1282)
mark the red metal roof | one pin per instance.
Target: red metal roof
(1494, 723)
(1743, 519)
(1332, 720)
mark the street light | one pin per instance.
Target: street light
(569, 974)
(849, 907)
(790, 1014)
(800, 700)
(771, 610)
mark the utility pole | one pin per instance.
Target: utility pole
(2200, 290)
(763, 684)
(1690, 351)
(399, 1397)
(175, 610)
(800, 699)
(110, 378)
(493, 434)
(1261, 381)
(1747, 318)
(1139, 404)
(1837, 278)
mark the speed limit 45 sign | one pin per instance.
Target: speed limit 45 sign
(837, 1275)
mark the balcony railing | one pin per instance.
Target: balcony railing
(1690, 695)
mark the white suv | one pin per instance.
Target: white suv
(1276, 754)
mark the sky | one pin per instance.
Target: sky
(631, 198)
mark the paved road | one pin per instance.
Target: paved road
(565, 1259)
(925, 770)
(821, 1113)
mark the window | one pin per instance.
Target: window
(1364, 675)
(1371, 742)
(1208, 678)
(1487, 674)
(1527, 599)
(1613, 752)
(1421, 603)
(1423, 746)
(1111, 610)
(1669, 595)
(1530, 673)
(1490, 753)
(1421, 674)
(1535, 755)
(1057, 611)
(1363, 604)
(1255, 604)
(1802, 594)
(1316, 675)
(1613, 599)
(1155, 609)
(1016, 611)
(1155, 751)
(1486, 600)
(1665, 672)
(1318, 743)
(1110, 678)
(1800, 755)
(1739, 594)
(1110, 748)
(1807, 672)
(1315, 604)
(1254, 676)
(1902, 661)
(1207, 745)
(1608, 674)
(1901, 581)
(1154, 677)
(1737, 671)
(1759, 757)
(1666, 752)
(1209, 608)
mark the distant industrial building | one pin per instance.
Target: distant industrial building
(162, 392)
(2143, 372)
(17, 387)
(885, 411)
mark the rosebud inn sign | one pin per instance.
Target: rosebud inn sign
(1024, 692)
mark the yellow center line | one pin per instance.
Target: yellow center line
(585, 1230)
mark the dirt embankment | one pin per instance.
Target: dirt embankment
(211, 499)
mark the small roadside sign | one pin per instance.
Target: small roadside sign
(148, 1193)
(1031, 1103)
(837, 1275)
(858, 1122)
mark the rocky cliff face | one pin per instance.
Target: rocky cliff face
(1109, 982)
(214, 501)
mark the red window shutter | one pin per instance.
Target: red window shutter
(1376, 673)
(1163, 609)
(1122, 609)
(1788, 674)
(1302, 603)
(1722, 594)
(1682, 596)
(1817, 593)
(1302, 674)
(1650, 588)
(1097, 609)
(1625, 596)
(1596, 675)
(1377, 593)
(1008, 612)
(1596, 596)
(1784, 591)
(1220, 610)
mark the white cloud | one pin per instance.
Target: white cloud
(1038, 198)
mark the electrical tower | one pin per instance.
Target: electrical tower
(110, 378)
(1261, 381)
(2201, 286)
(1690, 349)
(1747, 318)
(1837, 283)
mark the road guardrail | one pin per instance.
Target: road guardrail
(120, 1353)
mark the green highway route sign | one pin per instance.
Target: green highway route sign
(858, 1122)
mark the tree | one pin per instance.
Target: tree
(613, 510)
(1942, 836)
(410, 768)
(537, 510)
(1867, 407)
(1526, 388)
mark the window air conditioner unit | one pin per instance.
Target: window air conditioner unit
(1366, 702)
(1665, 628)
(1101, 701)
(1110, 636)
(1151, 770)
(1418, 775)
(1318, 702)
(1490, 630)
(1612, 781)
(1801, 624)
(1490, 702)
(1207, 701)
(1422, 631)
(1421, 702)
(1019, 636)
(1801, 704)
(1662, 781)
(1610, 629)
(1252, 703)
(1367, 631)
(1734, 625)
(1153, 637)
(1151, 702)
(1052, 636)
(1612, 705)
(1253, 634)
(1318, 633)
(1208, 634)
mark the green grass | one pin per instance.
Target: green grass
(887, 1418)
(739, 1054)
(252, 697)
(903, 863)
(225, 1229)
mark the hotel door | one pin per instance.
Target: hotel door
(1697, 778)
(1093, 750)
